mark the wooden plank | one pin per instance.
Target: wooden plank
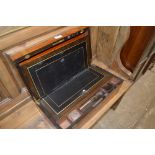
(28, 116)
(7, 81)
(11, 106)
(107, 36)
(24, 34)
(4, 30)
(3, 92)
(36, 122)
(12, 69)
(94, 39)
(116, 63)
(100, 64)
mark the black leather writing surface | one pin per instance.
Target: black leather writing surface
(73, 89)
(64, 77)
(49, 74)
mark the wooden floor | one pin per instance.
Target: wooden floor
(28, 116)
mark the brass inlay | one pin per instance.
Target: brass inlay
(27, 56)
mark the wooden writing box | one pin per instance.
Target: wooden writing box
(69, 86)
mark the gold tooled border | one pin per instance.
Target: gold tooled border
(74, 93)
(53, 62)
(49, 58)
(77, 97)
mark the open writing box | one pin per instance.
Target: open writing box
(65, 83)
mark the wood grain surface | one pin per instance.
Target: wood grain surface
(135, 46)
(27, 116)
(107, 36)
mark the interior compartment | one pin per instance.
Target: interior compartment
(64, 77)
